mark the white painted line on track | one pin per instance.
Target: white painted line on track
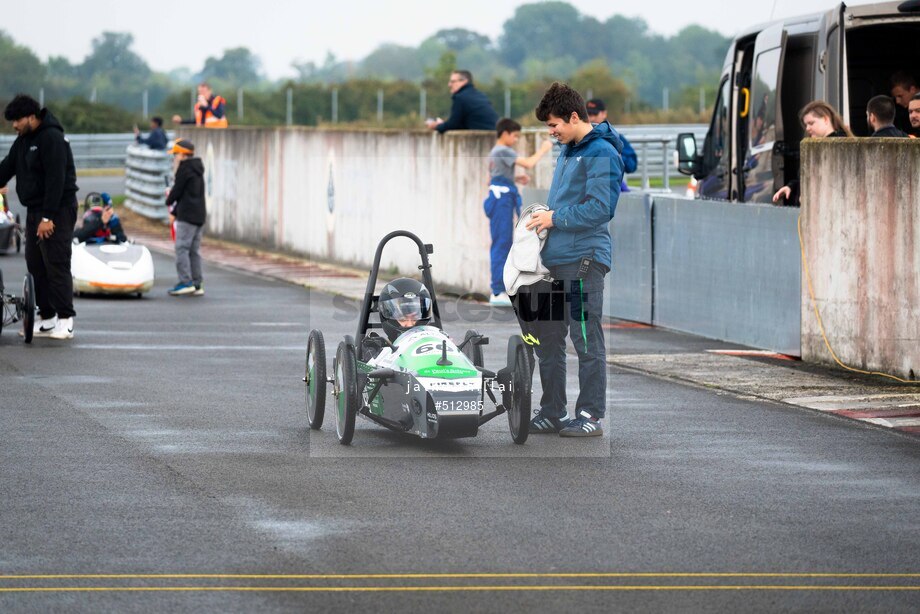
(894, 423)
(277, 324)
(191, 348)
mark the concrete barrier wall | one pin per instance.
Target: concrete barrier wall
(861, 226)
(728, 271)
(333, 194)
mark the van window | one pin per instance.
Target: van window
(763, 98)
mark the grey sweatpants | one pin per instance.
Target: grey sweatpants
(188, 261)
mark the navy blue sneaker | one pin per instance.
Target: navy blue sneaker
(181, 289)
(582, 426)
(543, 426)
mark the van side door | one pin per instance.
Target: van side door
(762, 170)
(715, 182)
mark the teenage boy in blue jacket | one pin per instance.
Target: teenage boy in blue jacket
(582, 200)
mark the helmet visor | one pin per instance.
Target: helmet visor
(402, 308)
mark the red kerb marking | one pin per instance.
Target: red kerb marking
(900, 412)
(625, 325)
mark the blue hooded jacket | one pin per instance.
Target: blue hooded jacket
(583, 198)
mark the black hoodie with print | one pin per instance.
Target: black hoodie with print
(42, 162)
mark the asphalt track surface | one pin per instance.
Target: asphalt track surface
(161, 461)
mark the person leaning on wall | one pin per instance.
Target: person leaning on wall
(210, 110)
(820, 120)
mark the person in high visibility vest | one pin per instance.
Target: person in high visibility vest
(210, 112)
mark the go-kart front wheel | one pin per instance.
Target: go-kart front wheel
(346, 393)
(27, 305)
(473, 351)
(315, 379)
(518, 408)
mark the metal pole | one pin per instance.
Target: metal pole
(665, 166)
(145, 99)
(41, 97)
(664, 99)
(239, 103)
(192, 99)
(645, 182)
(590, 94)
(335, 105)
(507, 102)
(702, 101)
(92, 97)
(290, 106)
(422, 104)
(380, 106)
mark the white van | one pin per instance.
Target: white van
(844, 56)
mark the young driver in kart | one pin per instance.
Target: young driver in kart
(404, 304)
(100, 223)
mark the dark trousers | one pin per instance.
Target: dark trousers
(48, 260)
(576, 310)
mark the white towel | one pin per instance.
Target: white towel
(524, 265)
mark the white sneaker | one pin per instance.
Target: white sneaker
(63, 330)
(42, 327)
(500, 300)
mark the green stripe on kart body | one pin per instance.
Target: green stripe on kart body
(445, 372)
(426, 364)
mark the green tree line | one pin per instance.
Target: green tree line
(618, 59)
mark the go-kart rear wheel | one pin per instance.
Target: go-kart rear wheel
(346, 393)
(27, 305)
(315, 379)
(472, 350)
(521, 385)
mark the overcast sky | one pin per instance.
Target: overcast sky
(172, 34)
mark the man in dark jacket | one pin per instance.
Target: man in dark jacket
(578, 252)
(471, 110)
(186, 202)
(880, 113)
(156, 139)
(46, 183)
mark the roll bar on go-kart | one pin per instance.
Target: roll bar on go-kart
(369, 304)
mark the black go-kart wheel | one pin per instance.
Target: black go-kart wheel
(315, 379)
(518, 408)
(346, 393)
(472, 350)
(27, 305)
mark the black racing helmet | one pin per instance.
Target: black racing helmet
(403, 303)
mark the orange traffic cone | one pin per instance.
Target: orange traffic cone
(691, 188)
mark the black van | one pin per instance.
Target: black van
(844, 56)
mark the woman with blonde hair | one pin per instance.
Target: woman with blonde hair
(820, 120)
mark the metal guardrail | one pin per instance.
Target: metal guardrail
(655, 146)
(147, 175)
(90, 150)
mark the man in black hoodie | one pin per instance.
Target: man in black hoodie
(46, 183)
(186, 204)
